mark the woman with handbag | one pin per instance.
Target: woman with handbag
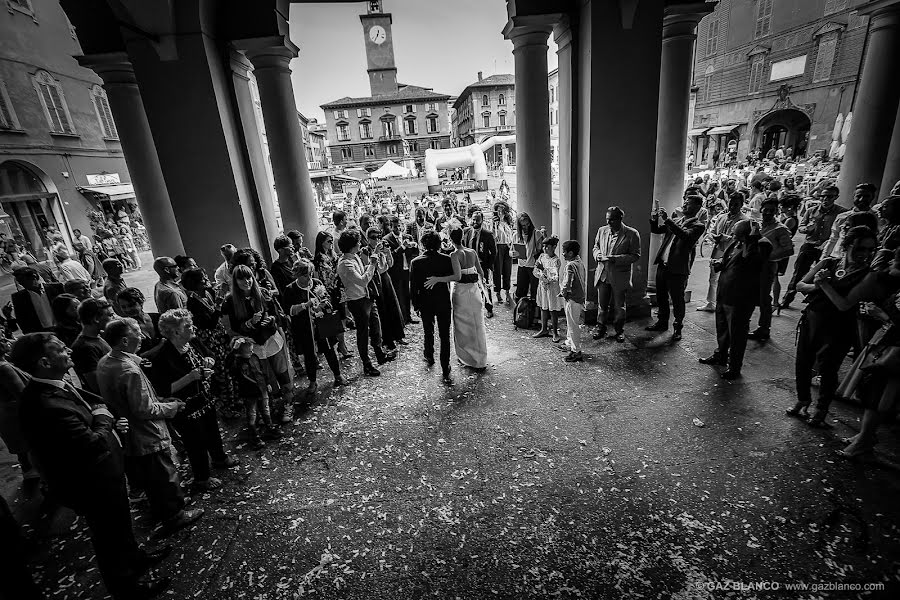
(313, 320)
(325, 264)
(252, 311)
(826, 331)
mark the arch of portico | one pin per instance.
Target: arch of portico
(177, 74)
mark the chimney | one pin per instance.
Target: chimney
(479, 75)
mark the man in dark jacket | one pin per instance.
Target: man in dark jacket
(432, 303)
(740, 278)
(404, 250)
(673, 261)
(32, 303)
(482, 242)
(71, 436)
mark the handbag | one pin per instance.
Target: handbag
(329, 325)
(882, 358)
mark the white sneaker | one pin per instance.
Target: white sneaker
(708, 307)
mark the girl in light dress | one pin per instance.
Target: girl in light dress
(546, 269)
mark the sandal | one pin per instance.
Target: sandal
(818, 421)
(556, 339)
(207, 485)
(541, 334)
(800, 411)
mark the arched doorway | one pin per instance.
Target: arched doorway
(32, 211)
(788, 127)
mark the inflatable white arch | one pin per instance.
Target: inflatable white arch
(467, 156)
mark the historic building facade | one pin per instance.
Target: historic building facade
(486, 108)
(397, 122)
(60, 156)
(772, 73)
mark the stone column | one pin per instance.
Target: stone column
(529, 36)
(140, 150)
(675, 73)
(563, 38)
(892, 164)
(271, 59)
(264, 208)
(878, 96)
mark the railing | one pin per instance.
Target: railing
(389, 138)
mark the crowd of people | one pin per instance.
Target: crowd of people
(101, 399)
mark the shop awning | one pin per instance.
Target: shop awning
(121, 191)
(720, 129)
(358, 174)
(696, 132)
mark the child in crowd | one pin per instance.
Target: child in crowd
(573, 290)
(252, 388)
(547, 269)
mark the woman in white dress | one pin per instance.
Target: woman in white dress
(469, 337)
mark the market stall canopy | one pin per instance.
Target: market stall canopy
(390, 169)
(357, 174)
(720, 129)
(121, 191)
(698, 131)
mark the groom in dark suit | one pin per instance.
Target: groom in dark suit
(71, 436)
(432, 303)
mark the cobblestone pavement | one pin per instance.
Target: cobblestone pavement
(636, 474)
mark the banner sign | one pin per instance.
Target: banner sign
(466, 185)
(103, 179)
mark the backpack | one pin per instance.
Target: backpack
(524, 313)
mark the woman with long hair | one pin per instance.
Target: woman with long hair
(325, 264)
(526, 234)
(252, 259)
(211, 332)
(504, 229)
(252, 311)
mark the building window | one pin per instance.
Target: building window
(409, 127)
(833, 6)
(432, 107)
(709, 88)
(756, 71)
(435, 144)
(432, 125)
(485, 101)
(343, 132)
(392, 149)
(413, 146)
(388, 128)
(825, 56)
(712, 37)
(363, 112)
(365, 131)
(53, 102)
(340, 114)
(502, 120)
(8, 118)
(501, 99)
(104, 114)
(409, 108)
(346, 153)
(486, 120)
(763, 18)
(369, 151)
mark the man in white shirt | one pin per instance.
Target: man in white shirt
(863, 197)
(223, 272)
(69, 268)
(356, 278)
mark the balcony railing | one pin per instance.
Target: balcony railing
(389, 138)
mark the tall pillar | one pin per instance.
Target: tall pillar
(875, 108)
(529, 36)
(140, 151)
(271, 58)
(616, 128)
(892, 164)
(679, 35)
(563, 38)
(265, 206)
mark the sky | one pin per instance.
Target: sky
(437, 44)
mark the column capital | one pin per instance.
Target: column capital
(114, 68)
(530, 30)
(680, 20)
(275, 52)
(562, 33)
(240, 64)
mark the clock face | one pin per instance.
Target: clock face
(377, 34)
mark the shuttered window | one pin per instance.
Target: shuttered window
(825, 57)
(763, 18)
(756, 74)
(712, 38)
(104, 114)
(7, 113)
(53, 102)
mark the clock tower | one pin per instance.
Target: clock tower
(379, 42)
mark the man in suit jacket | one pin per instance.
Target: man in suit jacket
(740, 278)
(479, 239)
(404, 250)
(432, 303)
(673, 260)
(71, 436)
(32, 304)
(616, 248)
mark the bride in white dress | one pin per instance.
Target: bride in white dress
(469, 337)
